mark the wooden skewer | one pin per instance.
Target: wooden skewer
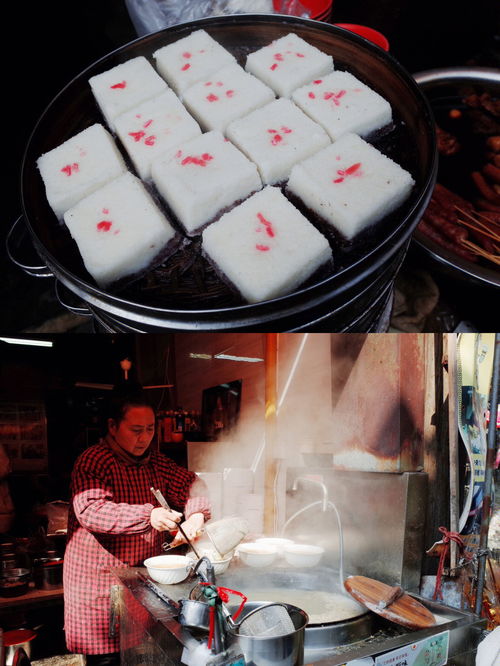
(479, 214)
(495, 237)
(489, 218)
(475, 248)
(487, 229)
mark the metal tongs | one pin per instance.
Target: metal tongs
(163, 502)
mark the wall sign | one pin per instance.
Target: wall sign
(23, 434)
(431, 651)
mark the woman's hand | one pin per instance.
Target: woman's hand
(164, 519)
(192, 527)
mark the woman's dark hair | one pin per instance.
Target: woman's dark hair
(123, 397)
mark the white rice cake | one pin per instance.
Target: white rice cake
(150, 129)
(205, 175)
(288, 63)
(350, 184)
(228, 94)
(265, 247)
(341, 103)
(79, 166)
(276, 137)
(191, 59)
(119, 89)
(119, 230)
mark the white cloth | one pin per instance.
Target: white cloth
(488, 651)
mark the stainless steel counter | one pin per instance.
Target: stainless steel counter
(150, 634)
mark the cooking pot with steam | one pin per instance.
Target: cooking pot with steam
(334, 617)
(356, 296)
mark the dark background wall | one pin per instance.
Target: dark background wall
(74, 414)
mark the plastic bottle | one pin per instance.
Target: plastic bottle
(167, 426)
(179, 420)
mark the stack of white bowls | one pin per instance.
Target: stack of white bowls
(265, 551)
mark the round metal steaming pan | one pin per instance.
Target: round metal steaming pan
(350, 299)
(446, 87)
(318, 579)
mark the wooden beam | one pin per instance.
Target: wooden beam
(270, 431)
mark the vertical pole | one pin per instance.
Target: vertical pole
(453, 440)
(488, 477)
(270, 462)
(436, 456)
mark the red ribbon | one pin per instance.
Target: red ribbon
(448, 536)
(224, 596)
(211, 626)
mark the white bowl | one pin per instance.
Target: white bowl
(257, 554)
(219, 565)
(168, 569)
(303, 555)
(279, 542)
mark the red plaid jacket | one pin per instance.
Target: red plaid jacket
(109, 526)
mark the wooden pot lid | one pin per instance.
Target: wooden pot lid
(392, 603)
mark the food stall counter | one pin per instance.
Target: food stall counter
(34, 597)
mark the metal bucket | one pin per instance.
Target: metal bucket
(194, 613)
(286, 650)
(15, 639)
(48, 572)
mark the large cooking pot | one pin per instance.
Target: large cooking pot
(331, 621)
(356, 297)
(48, 572)
(14, 582)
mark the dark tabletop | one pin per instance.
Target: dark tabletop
(53, 41)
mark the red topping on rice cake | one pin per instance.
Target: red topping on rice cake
(203, 177)
(124, 86)
(262, 269)
(116, 246)
(191, 59)
(341, 103)
(232, 93)
(288, 63)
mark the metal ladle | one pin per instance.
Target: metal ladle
(163, 502)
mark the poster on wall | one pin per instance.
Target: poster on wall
(220, 409)
(475, 353)
(23, 435)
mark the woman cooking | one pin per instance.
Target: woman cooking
(115, 521)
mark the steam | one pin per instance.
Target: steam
(233, 467)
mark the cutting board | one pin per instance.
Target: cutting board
(390, 602)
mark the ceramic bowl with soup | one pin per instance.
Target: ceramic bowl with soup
(257, 554)
(168, 569)
(303, 555)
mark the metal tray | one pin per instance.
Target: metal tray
(373, 261)
(445, 89)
